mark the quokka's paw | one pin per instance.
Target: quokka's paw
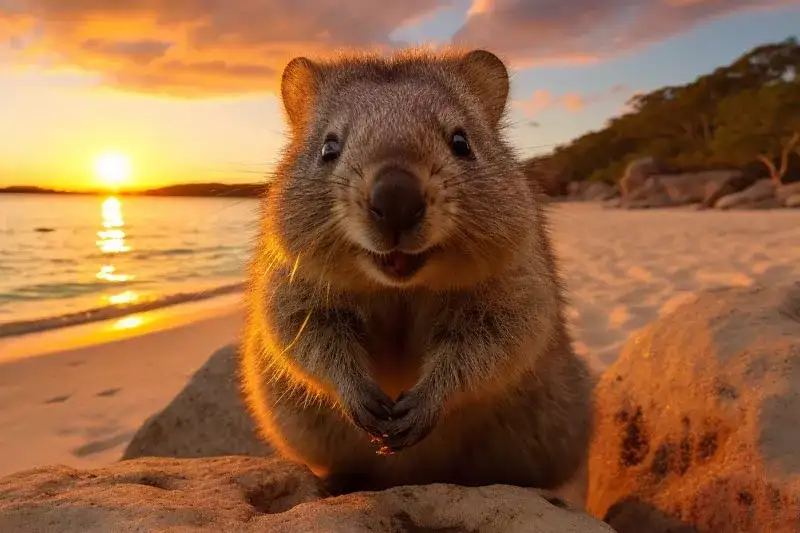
(412, 419)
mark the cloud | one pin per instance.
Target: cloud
(141, 52)
(532, 32)
(573, 101)
(228, 47)
(540, 100)
(12, 23)
(201, 47)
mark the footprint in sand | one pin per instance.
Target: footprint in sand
(57, 399)
(108, 392)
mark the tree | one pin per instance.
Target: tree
(760, 124)
(741, 114)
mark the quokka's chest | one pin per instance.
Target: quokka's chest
(395, 341)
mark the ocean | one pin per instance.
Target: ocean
(71, 259)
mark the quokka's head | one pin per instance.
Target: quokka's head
(396, 173)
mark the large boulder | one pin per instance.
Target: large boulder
(786, 192)
(704, 188)
(591, 191)
(651, 194)
(244, 494)
(637, 172)
(207, 418)
(699, 418)
(760, 195)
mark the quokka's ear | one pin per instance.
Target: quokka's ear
(487, 75)
(299, 89)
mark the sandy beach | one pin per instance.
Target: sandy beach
(76, 396)
(625, 268)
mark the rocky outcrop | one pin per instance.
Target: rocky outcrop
(788, 194)
(705, 188)
(240, 494)
(591, 191)
(699, 418)
(760, 195)
(722, 189)
(668, 190)
(206, 419)
(650, 194)
(637, 172)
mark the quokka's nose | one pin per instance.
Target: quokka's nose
(396, 202)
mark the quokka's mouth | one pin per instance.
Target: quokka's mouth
(400, 265)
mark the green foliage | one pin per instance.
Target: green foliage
(762, 123)
(744, 113)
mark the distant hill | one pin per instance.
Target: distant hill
(216, 190)
(205, 190)
(28, 189)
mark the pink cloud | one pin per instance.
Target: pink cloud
(531, 32)
(572, 101)
(221, 47)
(538, 101)
(203, 47)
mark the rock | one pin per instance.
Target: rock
(650, 195)
(699, 418)
(591, 191)
(786, 191)
(637, 172)
(792, 201)
(703, 187)
(759, 195)
(207, 418)
(245, 494)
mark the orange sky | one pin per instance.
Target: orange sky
(185, 89)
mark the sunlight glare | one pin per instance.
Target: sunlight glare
(127, 297)
(129, 322)
(113, 169)
(109, 273)
(112, 238)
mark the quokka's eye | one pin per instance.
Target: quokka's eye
(460, 145)
(331, 149)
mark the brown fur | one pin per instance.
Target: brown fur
(494, 392)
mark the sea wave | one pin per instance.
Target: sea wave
(22, 327)
(143, 255)
(44, 291)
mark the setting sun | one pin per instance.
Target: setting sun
(113, 169)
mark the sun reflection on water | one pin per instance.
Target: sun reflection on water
(129, 322)
(127, 297)
(112, 237)
(111, 242)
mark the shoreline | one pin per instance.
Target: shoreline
(107, 330)
(97, 314)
